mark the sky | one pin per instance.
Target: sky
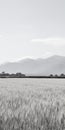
(31, 28)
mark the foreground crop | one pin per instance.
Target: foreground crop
(32, 111)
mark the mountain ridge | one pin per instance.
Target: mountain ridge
(40, 66)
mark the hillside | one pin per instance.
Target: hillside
(51, 65)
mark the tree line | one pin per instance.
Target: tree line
(7, 75)
(20, 75)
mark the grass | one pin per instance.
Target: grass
(33, 110)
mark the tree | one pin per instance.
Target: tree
(51, 75)
(62, 75)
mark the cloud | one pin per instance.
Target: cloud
(4, 36)
(49, 46)
(1, 36)
(49, 40)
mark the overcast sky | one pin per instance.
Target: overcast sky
(31, 28)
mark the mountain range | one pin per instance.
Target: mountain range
(52, 65)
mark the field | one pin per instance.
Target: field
(32, 104)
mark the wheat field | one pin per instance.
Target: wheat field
(32, 104)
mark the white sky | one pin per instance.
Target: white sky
(33, 28)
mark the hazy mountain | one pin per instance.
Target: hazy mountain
(51, 65)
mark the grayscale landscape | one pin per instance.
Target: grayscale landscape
(32, 64)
